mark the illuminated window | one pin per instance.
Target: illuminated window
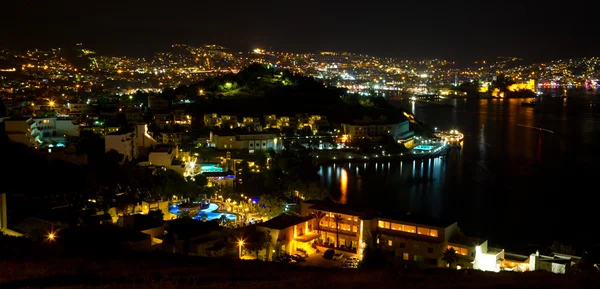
(410, 229)
(405, 256)
(423, 231)
(390, 243)
(385, 225)
(418, 258)
(428, 232)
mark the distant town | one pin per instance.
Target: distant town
(207, 152)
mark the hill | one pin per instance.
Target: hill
(157, 270)
(259, 90)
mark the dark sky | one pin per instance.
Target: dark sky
(416, 29)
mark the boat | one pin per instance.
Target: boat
(530, 103)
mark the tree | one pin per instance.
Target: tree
(312, 191)
(561, 248)
(254, 240)
(502, 83)
(373, 258)
(271, 205)
(201, 180)
(449, 256)
(337, 218)
(156, 214)
(187, 213)
(318, 215)
(268, 243)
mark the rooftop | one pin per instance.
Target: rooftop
(464, 240)
(284, 221)
(338, 208)
(416, 219)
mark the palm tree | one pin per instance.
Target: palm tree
(318, 215)
(267, 244)
(449, 256)
(337, 219)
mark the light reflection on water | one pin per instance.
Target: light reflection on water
(407, 186)
(496, 182)
(343, 186)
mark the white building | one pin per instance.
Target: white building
(377, 128)
(77, 109)
(17, 129)
(129, 143)
(162, 157)
(51, 131)
(487, 260)
(251, 142)
(556, 263)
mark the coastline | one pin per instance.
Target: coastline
(364, 159)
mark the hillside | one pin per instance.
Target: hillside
(155, 270)
(258, 90)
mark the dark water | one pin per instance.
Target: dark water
(509, 184)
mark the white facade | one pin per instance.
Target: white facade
(77, 108)
(256, 142)
(45, 131)
(17, 130)
(398, 131)
(162, 158)
(488, 261)
(129, 143)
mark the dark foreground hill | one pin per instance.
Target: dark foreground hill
(174, 271)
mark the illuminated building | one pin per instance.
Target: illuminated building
(288, 234)
(128, 143)
(369, 129)
(408, 239)
(250, 141)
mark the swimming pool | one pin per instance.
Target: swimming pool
(424, 147)
(210, 168)
(210, 212)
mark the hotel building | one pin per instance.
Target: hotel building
(407, 238)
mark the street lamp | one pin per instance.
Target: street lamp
(240, 243)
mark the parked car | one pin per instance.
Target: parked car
(352, 259)
(350, 264)
(329, 254)
(297, 257)
(338, 256)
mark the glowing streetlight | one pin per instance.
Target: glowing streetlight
(51, 236)
(240, 244)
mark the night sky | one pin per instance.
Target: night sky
(414, 30)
